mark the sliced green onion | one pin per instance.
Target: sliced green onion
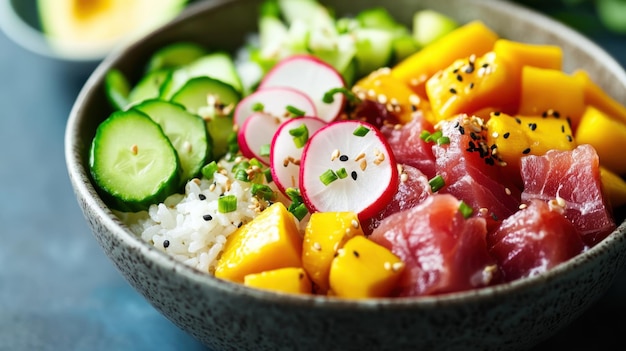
(300, 135)
(209, 170)
(299, 211)
(267, 172)
(294, 111)
(227, 203)
(262, 191)
(329, 95)
(434, 136)
(328, 177)
(257, 107)
(342, 173)
(424, 135)
(242, 175)
(465, 209)
(294, 194)
(361, 131)
(265, 150)
(443, 140)
(437, 182)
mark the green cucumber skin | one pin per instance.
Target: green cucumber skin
(176, 121)
(110, 183)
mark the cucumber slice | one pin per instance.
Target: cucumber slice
(116, 88)
(133, 162)
(218, 65)
(215, 102)
(187, 133)
(175, 55)
(148, 86)
(376, 17)
(374, 48)
(430, 25)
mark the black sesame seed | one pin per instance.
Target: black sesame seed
(452, 91)
(563, 129)
(469, 68)
(166, 243)
(353, 175)
(459, 78)
(526, 151)
(343, 158)
(556, 114)
(461, 130)
(355, 253)
(472, 146)
(497, 113)
(532, 126)
(201, 197)
(506, 135)
(471, 85)
(569, 138)
(519, 121)
(489, 161)
(473, 136)
(239, 225)
(207, 217)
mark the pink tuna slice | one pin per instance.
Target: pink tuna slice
(412, 190)
(443, 252)
(572, 179)
(533, 240)
(472, 174)
(409, 148)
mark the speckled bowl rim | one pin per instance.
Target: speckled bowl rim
(85, 191)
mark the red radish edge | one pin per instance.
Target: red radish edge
(286, 173)
(275, 101)
(256, 131)
(312, 76)
(316, 159)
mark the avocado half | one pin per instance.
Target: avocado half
(89, 29)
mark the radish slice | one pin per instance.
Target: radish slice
(273, 101)
(313, 77)
(286, 150)
(343, 170)
(256, 134)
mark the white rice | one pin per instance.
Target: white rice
(181, 226)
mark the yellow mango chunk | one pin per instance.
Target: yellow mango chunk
(473, 38)
(324, 235)
(511, 138)
(597, 97)
(614, 187)
(551, 91)
(269, 241)
(364, 269)
(291, 280)
(472, 84)
(606, 135)
(520, 54)
(383, 88)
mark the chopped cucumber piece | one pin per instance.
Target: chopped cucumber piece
(214, 101)
(429, 25)
(217, 65)
(175, 55)
(186, 131)
(403, 47)
(376, 17)
(311, 12)
(373, 49)
(116, 88)
(149, 86)
(133, 162)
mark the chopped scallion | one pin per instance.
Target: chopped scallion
(257, 107)
(265, 150)
(299, 211)
(361, 131)
(437, 182)
(209, 169)
(227, 203)
(262, 191)
(328, 97)
(443, 140)
(342, 173)
(300, 135)
(294, 111)
(242, 175)
(465, 209)
(328, 177)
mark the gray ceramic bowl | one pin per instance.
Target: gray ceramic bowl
(227, 316)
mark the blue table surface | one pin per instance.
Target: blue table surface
(58, 291)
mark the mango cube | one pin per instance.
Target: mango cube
(293, 280)
(325, 233)
(364, 269)
(270, 241)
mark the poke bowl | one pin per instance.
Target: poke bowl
(501, 308)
